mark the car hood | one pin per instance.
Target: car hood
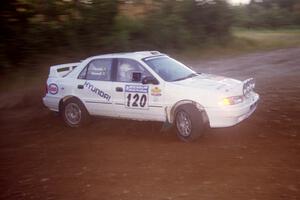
(212, 82)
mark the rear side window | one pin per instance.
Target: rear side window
(99, 69)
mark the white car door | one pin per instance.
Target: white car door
(135, 100)
(94, 87)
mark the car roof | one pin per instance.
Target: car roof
(134, 55)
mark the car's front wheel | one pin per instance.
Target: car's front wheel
(74, 113)
(190, 123)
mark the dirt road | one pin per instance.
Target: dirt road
(117, 159)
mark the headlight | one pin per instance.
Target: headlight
(231, 100)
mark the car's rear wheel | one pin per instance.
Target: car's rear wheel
(74, 113)
(190, 123)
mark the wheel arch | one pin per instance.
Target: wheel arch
(178, 104)
(64, 99)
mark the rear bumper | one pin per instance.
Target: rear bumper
(51, 102)
(232, 115)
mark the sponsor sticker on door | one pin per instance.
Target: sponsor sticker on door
(53, 88)
(156, 91)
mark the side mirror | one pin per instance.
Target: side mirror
(150, 80)
(136, 77)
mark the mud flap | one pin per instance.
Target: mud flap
(166, 126)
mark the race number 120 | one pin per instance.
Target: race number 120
(136, 97)
(136, 100)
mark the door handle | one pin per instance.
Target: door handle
(119, 89)
(80, 86)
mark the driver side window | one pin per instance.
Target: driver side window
(126, 68)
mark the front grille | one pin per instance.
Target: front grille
(248, 86)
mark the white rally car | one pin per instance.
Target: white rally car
(148, 86)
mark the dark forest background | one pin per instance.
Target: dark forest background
(33, 27)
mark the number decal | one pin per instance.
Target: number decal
(136, 100)
(128, 100)
(143, 101)
(136, 96)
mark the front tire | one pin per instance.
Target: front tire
(74, 113)
(190, 123)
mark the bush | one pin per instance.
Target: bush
(268, 14)
(97, 25)
(183, 23)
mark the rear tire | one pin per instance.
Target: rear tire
(190, 123)
(74, 113)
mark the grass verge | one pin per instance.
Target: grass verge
(247, 41)
(243, 41)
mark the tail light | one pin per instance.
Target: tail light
(46, 89)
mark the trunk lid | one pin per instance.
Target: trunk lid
(60, 71)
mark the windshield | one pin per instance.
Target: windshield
(170, 69)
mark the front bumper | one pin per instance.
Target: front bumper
(226, 116)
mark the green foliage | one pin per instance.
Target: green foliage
(165, 28)
(31, 28)
(126, 34)
(183, 23)
(271, 14)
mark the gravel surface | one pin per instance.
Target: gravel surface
(120, 159)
